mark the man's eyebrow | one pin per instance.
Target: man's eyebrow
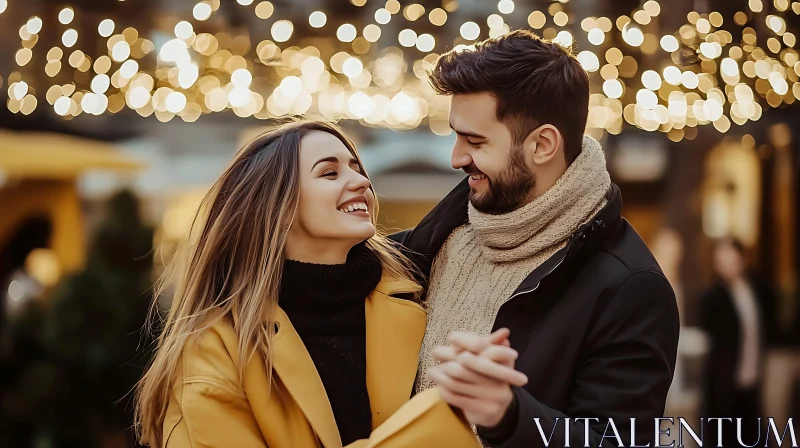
(467, 134)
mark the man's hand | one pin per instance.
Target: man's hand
(476, 374)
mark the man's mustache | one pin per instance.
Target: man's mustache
(471, 170)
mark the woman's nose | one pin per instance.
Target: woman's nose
(359, 182)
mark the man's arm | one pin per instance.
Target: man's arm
(400, 237)
(626, 374)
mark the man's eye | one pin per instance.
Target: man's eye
(474, 144)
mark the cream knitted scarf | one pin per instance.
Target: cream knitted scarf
(483, 262)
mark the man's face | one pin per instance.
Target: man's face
(729, 262)
(500, 179)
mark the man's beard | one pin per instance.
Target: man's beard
(512, 187)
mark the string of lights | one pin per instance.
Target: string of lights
(703, 74)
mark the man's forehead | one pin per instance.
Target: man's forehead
(473, 112)
(482, 98)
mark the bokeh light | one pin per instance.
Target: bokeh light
(669, 43)
(361, 73)
(317, 19)
(201, 11)
(596, 36)
(383, 16)
(505, 6)
(282, 30)
(470, 30)
(346, 33)
(66, 16)
(407, 37)
(106, 28)
(589, 61)
(69, 38)
(613, 88)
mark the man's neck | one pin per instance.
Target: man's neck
(544, 182)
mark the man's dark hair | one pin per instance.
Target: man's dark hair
(534, 81)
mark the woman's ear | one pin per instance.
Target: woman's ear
(542, 145)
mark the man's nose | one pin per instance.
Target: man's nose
(459, 158)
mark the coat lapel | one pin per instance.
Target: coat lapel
(395, 329)
(294, 366)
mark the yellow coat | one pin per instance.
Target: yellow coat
(205, 409)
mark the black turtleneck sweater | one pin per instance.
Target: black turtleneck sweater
(325, 304)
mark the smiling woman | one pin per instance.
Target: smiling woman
(336, 204)
(287, 313)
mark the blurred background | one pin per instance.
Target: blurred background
(116, 117)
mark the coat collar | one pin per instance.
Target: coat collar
(395, 329)
(590, 236)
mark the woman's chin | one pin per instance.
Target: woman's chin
(353, 232)
(363, 232)
(369, 231)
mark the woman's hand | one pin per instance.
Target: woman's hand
(476, 374)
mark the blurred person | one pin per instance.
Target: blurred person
(668, 249)
(736, 316)
(294, 324)
(17, 286)
(533, 241)
(33, 233)
(781, 379)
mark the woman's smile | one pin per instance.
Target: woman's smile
(356, 206)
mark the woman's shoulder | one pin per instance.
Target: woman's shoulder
(212, 354)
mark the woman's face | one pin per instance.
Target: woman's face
(336, 201)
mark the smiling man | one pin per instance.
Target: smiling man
(534, 241)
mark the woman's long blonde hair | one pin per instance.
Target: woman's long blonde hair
(231, 265)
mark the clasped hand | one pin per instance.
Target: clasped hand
(476, 375)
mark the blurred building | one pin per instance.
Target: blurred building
(42, 229)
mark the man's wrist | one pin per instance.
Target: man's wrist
(503, 431)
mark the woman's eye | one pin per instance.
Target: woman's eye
(329, 173)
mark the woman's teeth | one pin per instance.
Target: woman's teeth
(354, 207)
(477, 176)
